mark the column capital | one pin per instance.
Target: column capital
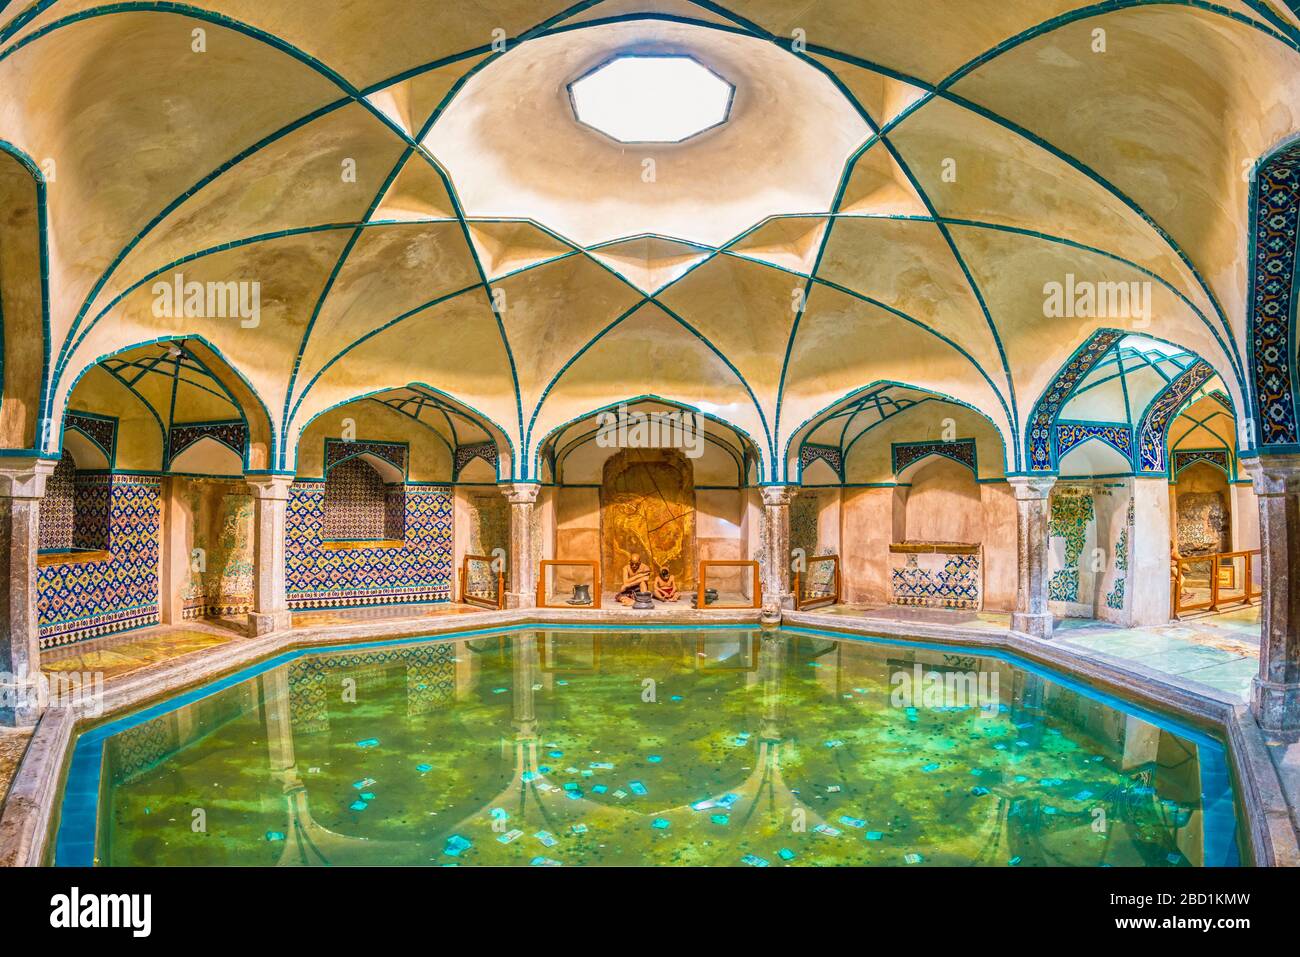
(1274, 474)
(521, 493)
(1031, 488)
(24, 477)
(270, 487)
(779, 494)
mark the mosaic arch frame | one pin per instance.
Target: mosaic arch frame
(1274, 234)
(544, 444)
(1070, 435)
(499, 435)
(100, 430)
(232, 434)
(814, 422)
(461, 453)
(393, 453)
(905, 455)
(272, 437)
(1152, 446)
(1042, 453)
(1186, 458)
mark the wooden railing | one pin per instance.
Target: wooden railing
(756, 587)
(810, 592)
(1229, 580)
(482, 598)
(542, 590)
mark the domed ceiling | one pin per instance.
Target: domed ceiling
(893, 191)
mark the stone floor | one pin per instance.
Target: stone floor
(1220, 650)
(117, 655)
(13, 744)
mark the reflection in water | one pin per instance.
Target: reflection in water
(667, 747)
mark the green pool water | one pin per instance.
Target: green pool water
(706, 747)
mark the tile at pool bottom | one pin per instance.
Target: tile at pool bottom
(669, 746)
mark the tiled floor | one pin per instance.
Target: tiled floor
(992, 621)
(117, 655)
(343, 616)
(1221, 651)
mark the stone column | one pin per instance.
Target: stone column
(1031, 615)
(777, 590)
(270, 504)
(521, 576)
(1275, 692)
(1148, 555)
(22, 486)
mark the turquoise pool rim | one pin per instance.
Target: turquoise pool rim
(78, 819)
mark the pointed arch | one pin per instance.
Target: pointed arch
(745, 451)
(833, 431)
(425, 404)
(1271, 297)
(224, 382)
(24, 298)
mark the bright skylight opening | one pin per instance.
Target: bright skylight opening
(651, 99)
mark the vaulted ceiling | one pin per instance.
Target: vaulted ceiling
(895, 188)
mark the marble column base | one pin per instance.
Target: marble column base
(521, 599)
(1276, 705)
(264, 623)
(1040, 626)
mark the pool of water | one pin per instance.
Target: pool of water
(718, 746)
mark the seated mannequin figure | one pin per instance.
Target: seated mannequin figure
(635, 576)
(665, 586)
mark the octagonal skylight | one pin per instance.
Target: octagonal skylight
(651, 99)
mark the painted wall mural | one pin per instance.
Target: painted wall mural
(419, 570)
(647, 503)
(79, 600)
(220, 581)
(1203, 527)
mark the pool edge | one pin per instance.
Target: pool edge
(30, 815)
